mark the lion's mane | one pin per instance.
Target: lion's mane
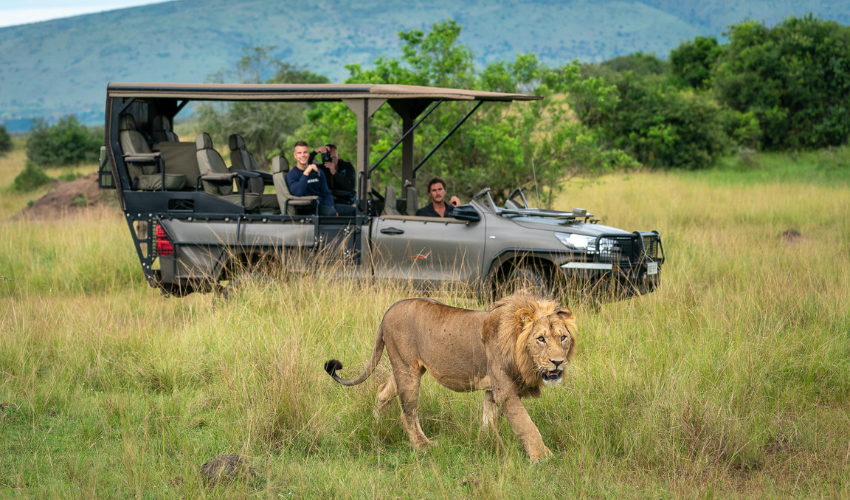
(516, 317)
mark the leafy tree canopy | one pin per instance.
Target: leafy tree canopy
(67, 142)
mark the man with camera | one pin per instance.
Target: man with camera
(339, 174)
(438, 206)
(306, 179)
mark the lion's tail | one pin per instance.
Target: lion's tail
(333, 365)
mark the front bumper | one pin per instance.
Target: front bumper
(621, 263)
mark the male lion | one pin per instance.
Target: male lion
(508, 352)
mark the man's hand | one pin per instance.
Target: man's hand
(330, 166)
(311, 168)
(454, 201)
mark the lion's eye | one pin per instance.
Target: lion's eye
(563, 338)
(541, 339)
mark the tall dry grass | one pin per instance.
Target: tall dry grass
(732, 380)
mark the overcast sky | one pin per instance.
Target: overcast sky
(14, 12)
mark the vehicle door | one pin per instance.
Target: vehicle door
(427, 250)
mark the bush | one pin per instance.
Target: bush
(5, 141)
(31, 178)
(661, 125)
(65, 143)
(692, 62)
(794, 78)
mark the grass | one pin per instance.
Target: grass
(731, 381)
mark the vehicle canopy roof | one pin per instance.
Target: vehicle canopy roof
(303, 92)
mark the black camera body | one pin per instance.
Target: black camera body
(326, 157)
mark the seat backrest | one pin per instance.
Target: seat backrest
(241, 159)
(210, 162)
(412, 200)
(280, 167)
(390, 202)
(162, 130)
(132, 141)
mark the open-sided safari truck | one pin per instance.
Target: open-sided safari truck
(194, 220)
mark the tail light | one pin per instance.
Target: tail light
(163, 244)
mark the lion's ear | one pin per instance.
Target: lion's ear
(565, 312)
(523, 318)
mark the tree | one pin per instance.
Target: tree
(5, 141)
(660, 124)
(794, 78)
(530, 145)
(692, 62)
(264, 126)
(67, 142)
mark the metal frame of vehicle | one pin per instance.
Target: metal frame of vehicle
(193, 236)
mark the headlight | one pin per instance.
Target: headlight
(578, 241)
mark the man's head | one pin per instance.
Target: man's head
(437, 190)
(302, 154)
(334, 153)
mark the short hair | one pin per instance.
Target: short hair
(331, 146)
(436, 180)
(301, 143)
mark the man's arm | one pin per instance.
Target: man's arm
(297, 182)
(344, 176)
(325, 196)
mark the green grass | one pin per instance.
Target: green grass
(731, 381)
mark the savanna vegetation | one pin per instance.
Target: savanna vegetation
(730, 381)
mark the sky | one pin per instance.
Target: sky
(14, 12)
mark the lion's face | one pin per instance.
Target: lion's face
(550, 345)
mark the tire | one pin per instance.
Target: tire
(523, 277)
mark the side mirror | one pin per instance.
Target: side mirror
(467, 213)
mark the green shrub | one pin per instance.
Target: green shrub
(31, 178)
(660, 124)
(67, 142)
(794, 78)
(692, 62)
(5, 140)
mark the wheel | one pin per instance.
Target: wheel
(523, 277)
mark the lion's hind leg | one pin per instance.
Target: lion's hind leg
(491, 412)
(407, 385)
(386, 393)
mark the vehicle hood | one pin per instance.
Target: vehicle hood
(554, 225)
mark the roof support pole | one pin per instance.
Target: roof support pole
(452, 131)
(409, 110)
(363, 109)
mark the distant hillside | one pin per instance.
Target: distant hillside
(57, 67)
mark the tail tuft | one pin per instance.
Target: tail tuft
(331, 366)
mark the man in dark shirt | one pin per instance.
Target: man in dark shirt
(339, 174)
(438, 206)
(307, 180)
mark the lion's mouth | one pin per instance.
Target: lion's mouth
(553, 376)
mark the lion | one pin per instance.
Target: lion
(525, 342)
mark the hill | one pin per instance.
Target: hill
(62, 66)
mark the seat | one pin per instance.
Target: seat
(217, 179)
(241, 159)
(145, 167)
(162, 130)
(289, 204)
(412, 200)
(390, 199)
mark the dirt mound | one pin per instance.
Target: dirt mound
(70, 197)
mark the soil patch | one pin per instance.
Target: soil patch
(70, 197)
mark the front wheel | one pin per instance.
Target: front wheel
(523, 277)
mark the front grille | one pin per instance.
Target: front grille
(619, 249)
(628, 250)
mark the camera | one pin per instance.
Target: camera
(326, 157)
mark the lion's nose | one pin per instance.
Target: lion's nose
(556, 362)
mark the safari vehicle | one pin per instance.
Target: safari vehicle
(194, 220)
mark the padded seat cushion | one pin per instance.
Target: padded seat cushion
(153, 182)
